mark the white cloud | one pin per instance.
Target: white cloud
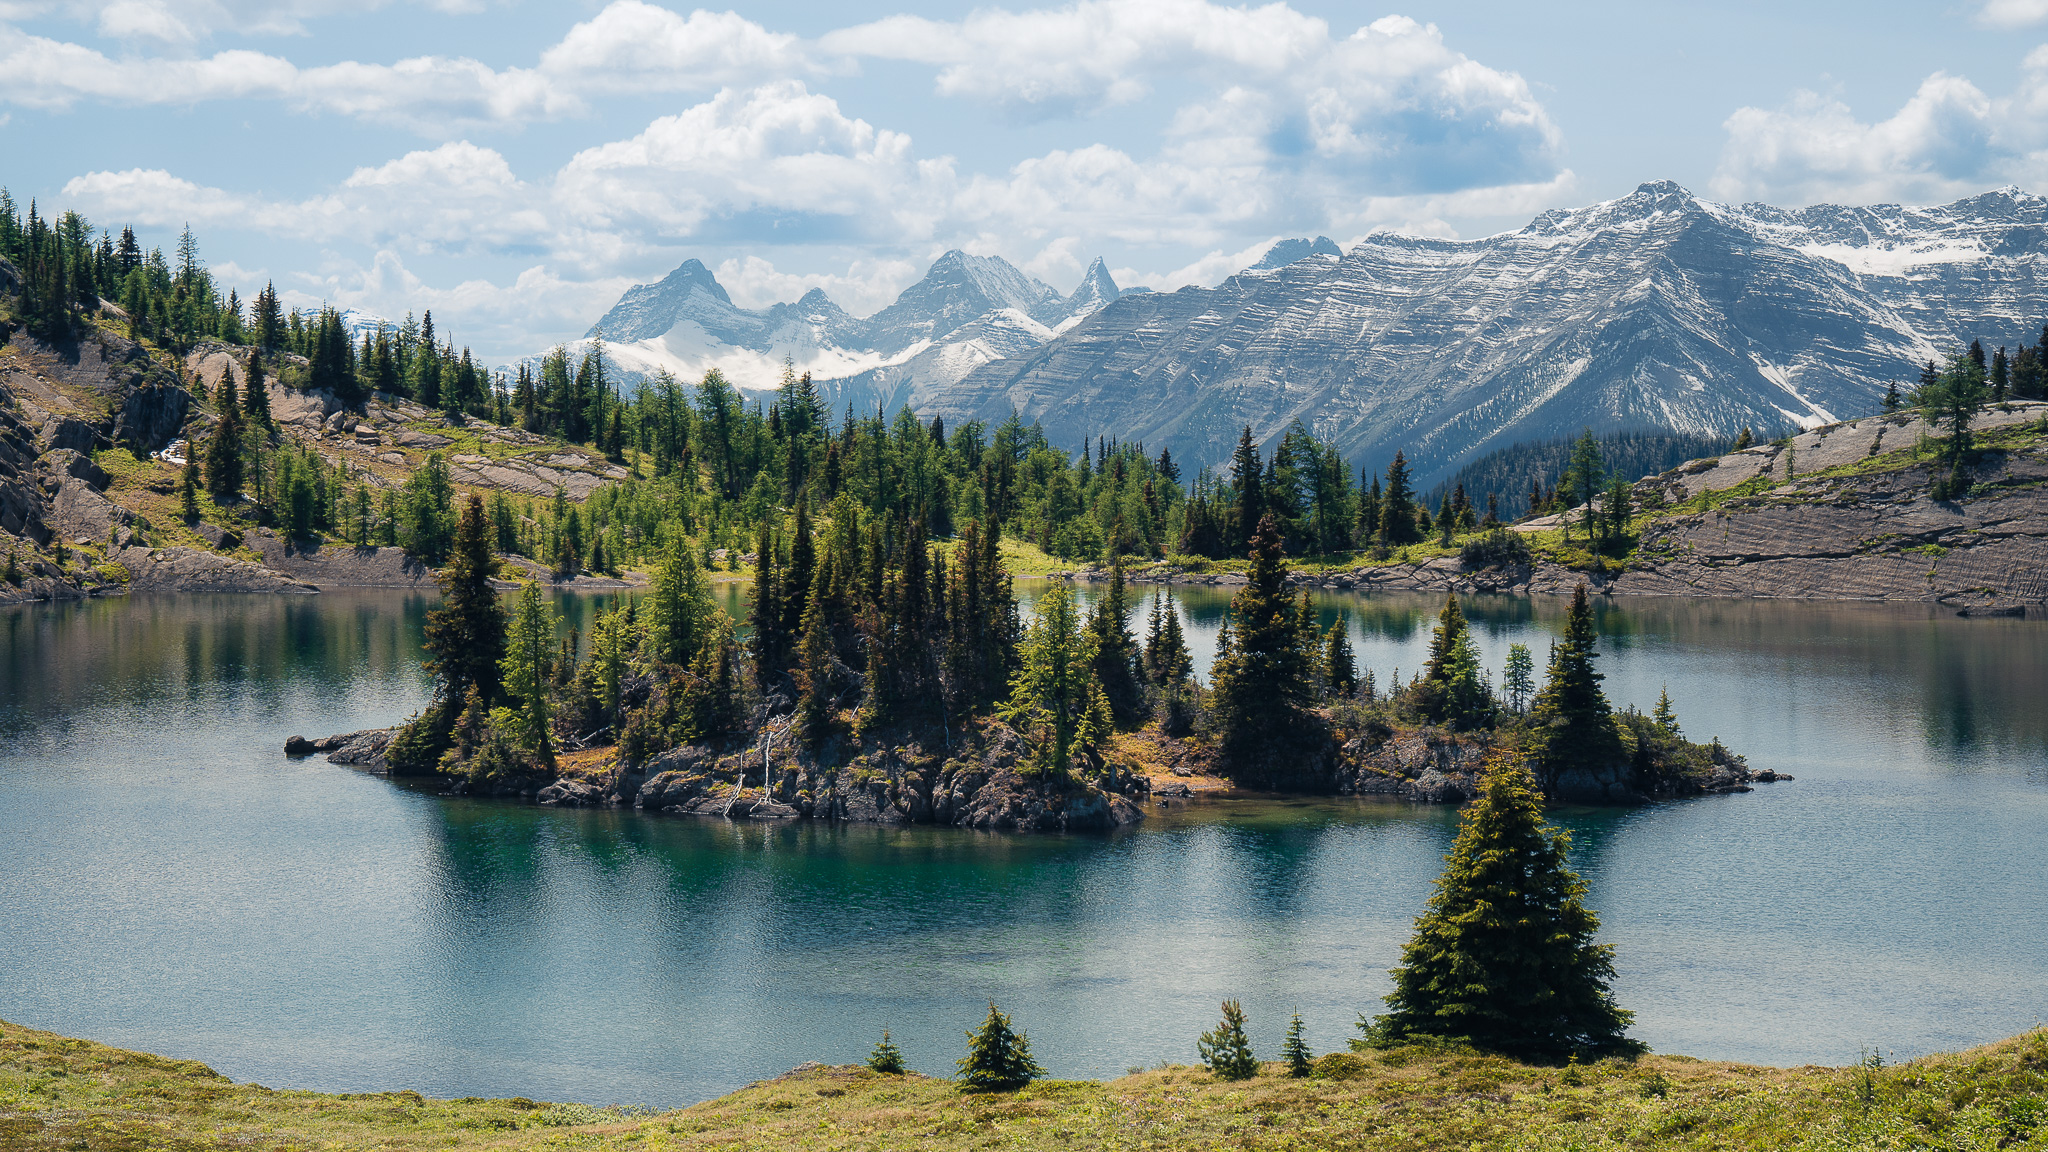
(636, 47)
(2013, 13)
(866, 286)
(1949, 139)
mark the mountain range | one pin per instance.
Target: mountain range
(1655, 310)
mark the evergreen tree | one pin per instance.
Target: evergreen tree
(770, 643)
(1743, 439)
(998, 1057)
(1452, 690)
(224, 451)
(256, 396)
(1573, 724)
(1504, 957)
(1246, 474)
(679, 605)
(1225, 1050)
(1664, 716)
(886, 1059)
(1340, 667)
(1055, 699)
(1892, 400)
(1263, 685)
(524, 675)
(815, 691)
(1518, 679)
(1295, 1051)
(465, 635)
(1367, 528)
(1397, 508)
(188, 488)
(1116, 657)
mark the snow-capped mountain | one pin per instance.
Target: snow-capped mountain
(1654, 310)
(967, 311)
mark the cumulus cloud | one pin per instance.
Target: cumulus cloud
(1950, 138)
(2013, 13)
(628, 47)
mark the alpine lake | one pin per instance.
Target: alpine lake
(170, 881)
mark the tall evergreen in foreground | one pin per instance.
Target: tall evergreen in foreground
(1573, 724)
(1504, 957)
(465, 643)
(998, 1057)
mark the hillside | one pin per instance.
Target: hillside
(93, 434)
(58, 1093)
(1855, 519)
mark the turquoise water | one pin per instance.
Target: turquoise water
(169, 881)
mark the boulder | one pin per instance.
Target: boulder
(151, 417)
(69, 433)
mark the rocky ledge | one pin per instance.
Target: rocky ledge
(978, 785)
(1432, 766)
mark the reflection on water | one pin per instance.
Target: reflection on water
(168, 881)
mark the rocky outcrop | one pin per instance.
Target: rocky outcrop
(1433, 766)
(339, 565)
(973, 787)
(977, 786)
(169, 570)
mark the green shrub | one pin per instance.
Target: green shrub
(1340, 1066)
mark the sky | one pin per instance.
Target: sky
(514, 165)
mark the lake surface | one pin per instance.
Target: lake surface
(169, 881)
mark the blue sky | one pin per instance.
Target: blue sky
(514, 165)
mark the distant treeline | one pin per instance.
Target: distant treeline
(1512, 473)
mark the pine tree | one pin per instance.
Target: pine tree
(1262, 681)
(886, 1059)
(1664, 716)
(224, 451)
(814, 672)
(256, 396)
(1743, 439)
(1225, 1050)
(998, 1058)
(1246, 472)
(679, 605)
(465, 636)
(1453, 690)
(1397, 508)
(1367, 528)
(1054, 698)
(524, 674)
(188, 488)
(1116, 658)
(1892, 400)
(1518, 679)
(1340, 667)
(1571, 719)
(1504, 957)
(1295, 1051)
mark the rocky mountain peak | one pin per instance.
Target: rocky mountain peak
(1285, 252)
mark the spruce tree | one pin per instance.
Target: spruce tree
(465, 636)
(1055, 699)
(886, 1059)
(1397, 508)
(1225, 1050)
(998, 1057)
(814, 673)
(256, 393)
(1247, 473)
(524, 674)
(1892, 400)
(1572, 722)
(1504, 956)
(1454, 691)
(1518, 679)
(1295, 1051)
(1116, 658)
(1340, 667)
(1664, 716)
(188, 488)
(1262, 680)
(224, 451)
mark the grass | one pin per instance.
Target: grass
(58, 1093)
